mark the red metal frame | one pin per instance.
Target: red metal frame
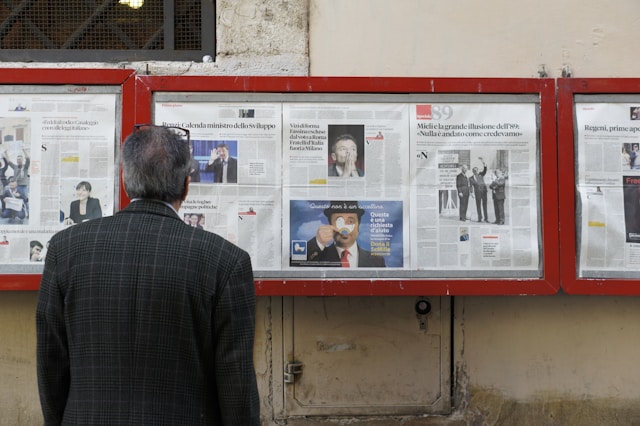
(567, 88)
(76, 78)
(544, 88)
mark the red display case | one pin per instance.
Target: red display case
(596, 122)
(66, 81)
(407, 281)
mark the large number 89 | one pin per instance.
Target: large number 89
(441, 112)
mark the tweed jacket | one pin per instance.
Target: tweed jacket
(144, 320)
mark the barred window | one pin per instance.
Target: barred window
(106, 30)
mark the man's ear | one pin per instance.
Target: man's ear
(124, 184)
(333, 156)
(185, 192)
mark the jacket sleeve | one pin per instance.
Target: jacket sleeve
(234, 331)
(52, 353)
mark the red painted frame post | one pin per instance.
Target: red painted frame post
(75, 78)
(549, 283)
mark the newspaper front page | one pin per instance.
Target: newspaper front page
(475, 195)
(345, 187)
(608, 189)
(57, 168)
(236, 183)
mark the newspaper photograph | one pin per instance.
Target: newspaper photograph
(608, 189)
(346, 234)
(345, 150)
(474, 199)
(236, 184)
(345, 185)
(57, 169)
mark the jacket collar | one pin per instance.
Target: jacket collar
(151, 206)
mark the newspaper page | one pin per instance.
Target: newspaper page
(345, 187)
(235, 188)
(608, 189)
(475, 196)
(57, 168)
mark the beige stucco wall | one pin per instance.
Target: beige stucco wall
(465, 38)
(552, 360)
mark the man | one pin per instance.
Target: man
(335, 244)
(633, 156)
(4, 181)
(224, 167)
(344, 153)
(142, 319)
(462, 184)
(479, 189)
(14, 201)
(499, 195)
(35, 255)
(195, 166)
(20, 170)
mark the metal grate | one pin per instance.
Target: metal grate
(105, 30)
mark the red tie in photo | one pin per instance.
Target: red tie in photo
(344, 259)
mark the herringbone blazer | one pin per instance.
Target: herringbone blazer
(143, 320)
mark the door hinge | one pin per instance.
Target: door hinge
(290, 371)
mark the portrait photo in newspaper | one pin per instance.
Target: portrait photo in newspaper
(346, 234)
(80, 201)
(346, 151)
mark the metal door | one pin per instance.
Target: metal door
(363, 356)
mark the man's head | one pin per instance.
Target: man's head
(19, 160)
(156, 164)
(223, 152)
(344, 146)
(635, 147)
(463, 169)
(475, 170)
(36, 247)
(346, 216)
(13, 184)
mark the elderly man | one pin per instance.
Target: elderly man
(142, 319)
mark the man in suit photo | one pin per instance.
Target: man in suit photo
(479, 191)
(499, 195)
(223, 166)
(344, 155)
(464, 189)
(142, 319)
(335, 244)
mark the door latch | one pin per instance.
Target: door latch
(290, 371)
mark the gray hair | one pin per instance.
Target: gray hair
(155, 164)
